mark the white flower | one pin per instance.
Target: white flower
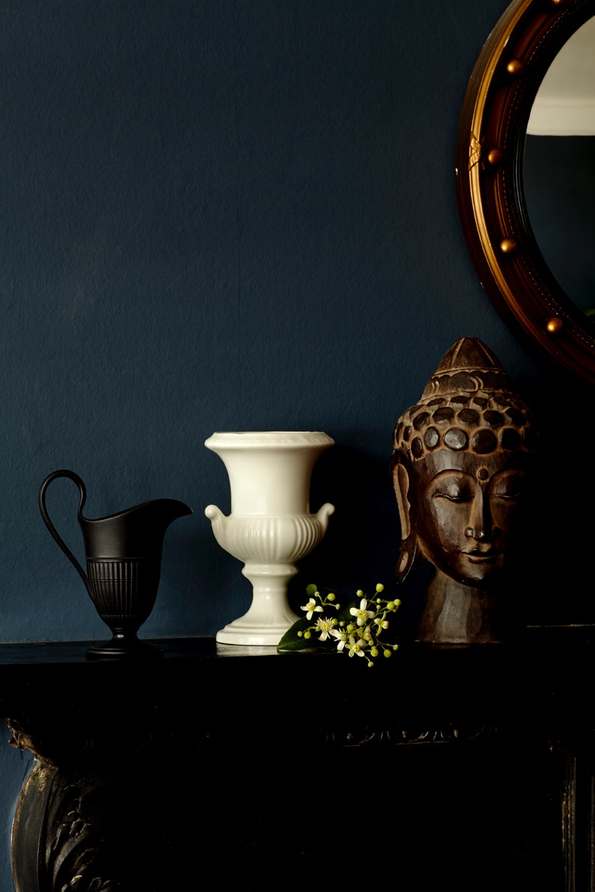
(381, 623)
(362, 613)
(325, 626)
(341, 636)
(356, 647)
(311, 608)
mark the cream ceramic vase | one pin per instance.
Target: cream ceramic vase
(270, 527)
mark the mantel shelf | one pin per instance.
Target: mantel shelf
(104, 733)
(544, 674)
(202, 649)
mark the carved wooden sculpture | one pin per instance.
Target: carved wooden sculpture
(459, 464)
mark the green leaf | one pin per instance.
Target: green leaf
(291, 641)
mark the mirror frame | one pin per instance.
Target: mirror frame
(494, 118)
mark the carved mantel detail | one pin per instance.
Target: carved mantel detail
(410, 736)
(58, 835)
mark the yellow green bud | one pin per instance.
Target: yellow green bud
(307, 634)
(370, 664)
(310, 589)
(359, 593)
(398, 602)
(395, 646)
(330, 597)
(300, 634)
(374, 652)
(350, 627)
(387, 652)
(391, 605)
(379, 587)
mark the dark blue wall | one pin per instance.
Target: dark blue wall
(235, 214)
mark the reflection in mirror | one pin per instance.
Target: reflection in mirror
(559, 168)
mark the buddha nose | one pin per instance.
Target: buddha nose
(480, 519)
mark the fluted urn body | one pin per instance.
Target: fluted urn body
(270, 526)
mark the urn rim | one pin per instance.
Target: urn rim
(269, 439)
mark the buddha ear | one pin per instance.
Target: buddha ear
(402, 485)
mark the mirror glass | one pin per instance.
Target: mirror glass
(559, 168)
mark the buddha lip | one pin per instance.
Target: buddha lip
(478, 556)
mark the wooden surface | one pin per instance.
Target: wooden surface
(477, 763)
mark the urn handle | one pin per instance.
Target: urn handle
(70, 475)
(216, 516)
(323, 515)
(214, 513)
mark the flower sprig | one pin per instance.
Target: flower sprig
(357, 630)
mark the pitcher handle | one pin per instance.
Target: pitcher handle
(70, 475)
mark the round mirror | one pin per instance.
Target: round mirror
(526, 173)
(559, 168)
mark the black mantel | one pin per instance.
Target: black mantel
(467, 768)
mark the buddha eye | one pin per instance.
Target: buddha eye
(454, 486)
(508, 488)
(506, 496)
(453, 493)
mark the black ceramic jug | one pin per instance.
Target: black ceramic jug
(123, 554)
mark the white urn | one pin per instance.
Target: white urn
(270, 526)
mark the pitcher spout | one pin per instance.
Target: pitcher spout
(138, 531)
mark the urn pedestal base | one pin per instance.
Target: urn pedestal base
(270, 615)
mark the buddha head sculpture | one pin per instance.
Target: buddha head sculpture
(460, 460)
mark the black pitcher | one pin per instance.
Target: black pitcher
(123, 563)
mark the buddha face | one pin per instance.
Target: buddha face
(466, 505)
